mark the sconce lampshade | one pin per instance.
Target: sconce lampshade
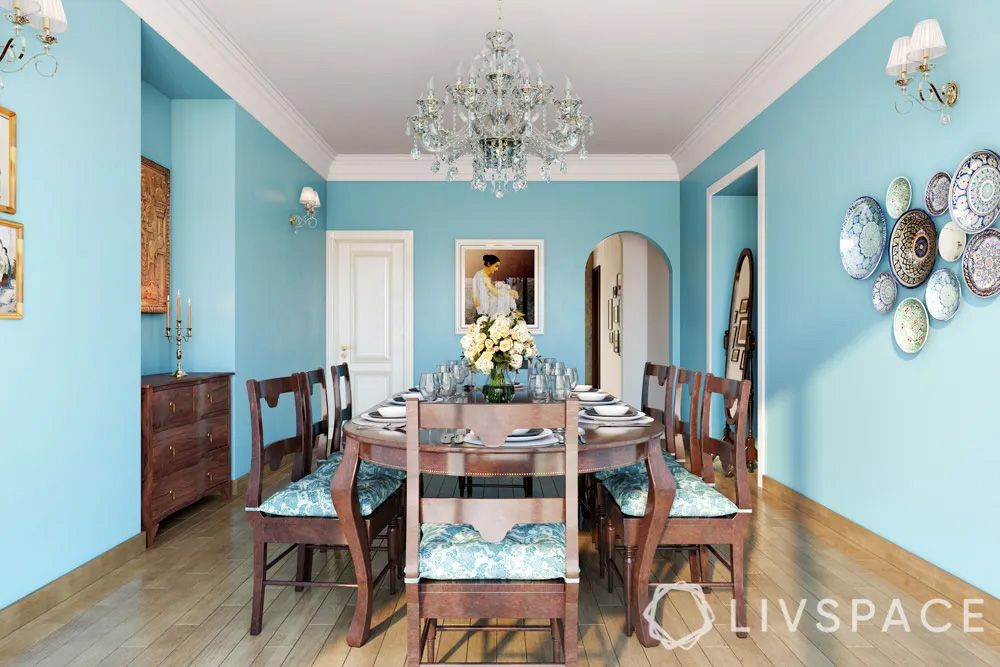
(27, 6)
(927, 41)
(898, 57)
(54, 12)
(309, 197)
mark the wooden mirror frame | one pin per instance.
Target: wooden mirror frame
(730, 340)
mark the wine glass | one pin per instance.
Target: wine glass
(560, 368)
(560, 388)
(448, 384)
(572, 377)
(428, 386)
(538, 387)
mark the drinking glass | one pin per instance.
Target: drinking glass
(447, 384)
(572, 377)
(560, 368)
(461, 371)
(428, 386)
(538, 386)
(560, 388)
(549, 367)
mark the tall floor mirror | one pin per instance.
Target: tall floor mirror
(739, 343)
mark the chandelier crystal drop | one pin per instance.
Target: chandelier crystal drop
(499, 114)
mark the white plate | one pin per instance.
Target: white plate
(593, 396)
(524, 440)
(642, 421)
(620, 410)
(392, 411)
(624, 418)
(582, 387)
(383, 420)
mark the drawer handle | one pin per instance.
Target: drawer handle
(173, 452)
(210, 398)
(209, 436)
(172, 496)
(210, 477)
(173, 408)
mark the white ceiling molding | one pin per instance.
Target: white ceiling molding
(594, 168)
(196, 35)
(818, 31)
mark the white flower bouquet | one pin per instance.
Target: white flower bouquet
(497, 345)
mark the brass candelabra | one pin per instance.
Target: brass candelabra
(180, 337)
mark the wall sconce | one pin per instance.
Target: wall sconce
(47, 17)
(310, 200)
(924, 45)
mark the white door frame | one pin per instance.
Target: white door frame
(757, 161)
(335, 236)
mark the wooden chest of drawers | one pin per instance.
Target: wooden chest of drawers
(185, 443)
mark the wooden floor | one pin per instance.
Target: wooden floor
(186, 601)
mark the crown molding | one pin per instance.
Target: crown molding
(594, 168)
(202, 40)
(815, 34)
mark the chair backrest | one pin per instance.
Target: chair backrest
(664, 376)
(340, 388)
(735, 393)
(273, 453)
(317, 430)
(686, 431)
(492, 517)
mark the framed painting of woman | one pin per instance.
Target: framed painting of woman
(497, 276)
(8, 161)
(11, 270)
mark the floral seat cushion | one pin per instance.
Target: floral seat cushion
(694, 498)
(365, 469)
(529, 551)
(310, 496)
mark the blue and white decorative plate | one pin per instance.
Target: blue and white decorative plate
(884, 292)
(981, 263)
(862, 238)
(898, 196)
(910, 325)
(912, 248)
(936, 193)
(943, 294)
(975, 192)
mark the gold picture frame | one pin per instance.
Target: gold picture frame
(154, 283)
(8, 174)
(11, 270)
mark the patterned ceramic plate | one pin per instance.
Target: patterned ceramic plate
(898, 196)
(936, 193)
(862, 238)
(910, 325)
(975, 192)
(951, 242)
(912, 248)
(884, 292)
(943, 294)
(981, 263)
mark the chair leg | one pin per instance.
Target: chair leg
(571, 626)
(738, 596)
(599, 532)
(630, 552)
(392, 552)
(303, 565)
(609, 552)
(413, 647)
(432, 628)
(529, 490)
(694, 565)
(259, 566)
(704, 565)
(557, 654)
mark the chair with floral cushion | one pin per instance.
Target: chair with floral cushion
(302, 514)
(320, 431)
(343, 410)
(490, 558)
(700, 517)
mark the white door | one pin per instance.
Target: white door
(369, 312)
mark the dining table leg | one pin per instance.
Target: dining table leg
(661, 496)
(345, 502)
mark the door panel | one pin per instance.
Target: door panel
(369, 324)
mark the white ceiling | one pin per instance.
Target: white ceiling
(647, 70)
(660, 77)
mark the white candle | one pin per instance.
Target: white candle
(178, 305)
(189, 314)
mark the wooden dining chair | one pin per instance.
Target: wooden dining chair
(318, 430)
(490, 558)
(687, 385)
(343, 410)
(700, 517)
(304, 513)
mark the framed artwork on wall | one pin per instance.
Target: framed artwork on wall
(495, 275)
(8, 161)
(154, 285)
(11, 270)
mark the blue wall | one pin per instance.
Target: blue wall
(886, 439)
(280, 281)
(156, 356)
(571, 217)
(69, 483)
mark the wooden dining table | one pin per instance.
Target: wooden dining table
(601, 448)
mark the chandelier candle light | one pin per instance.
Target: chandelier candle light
(924, 45)
(180, 336)
(47, 17)
(500, 106)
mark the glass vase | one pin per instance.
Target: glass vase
(499, 388)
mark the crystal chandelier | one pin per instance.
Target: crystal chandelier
(499, 106)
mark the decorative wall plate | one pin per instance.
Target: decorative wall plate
(936, 193)
(884, 292)
(981, 263)
(975, 192)
(898, 196)
(951, 242)
(913, 247)
(910, 325)
(943, 294)
(862, 238)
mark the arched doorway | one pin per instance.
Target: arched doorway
(627, 313)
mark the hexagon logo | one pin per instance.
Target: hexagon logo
(660, 634)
